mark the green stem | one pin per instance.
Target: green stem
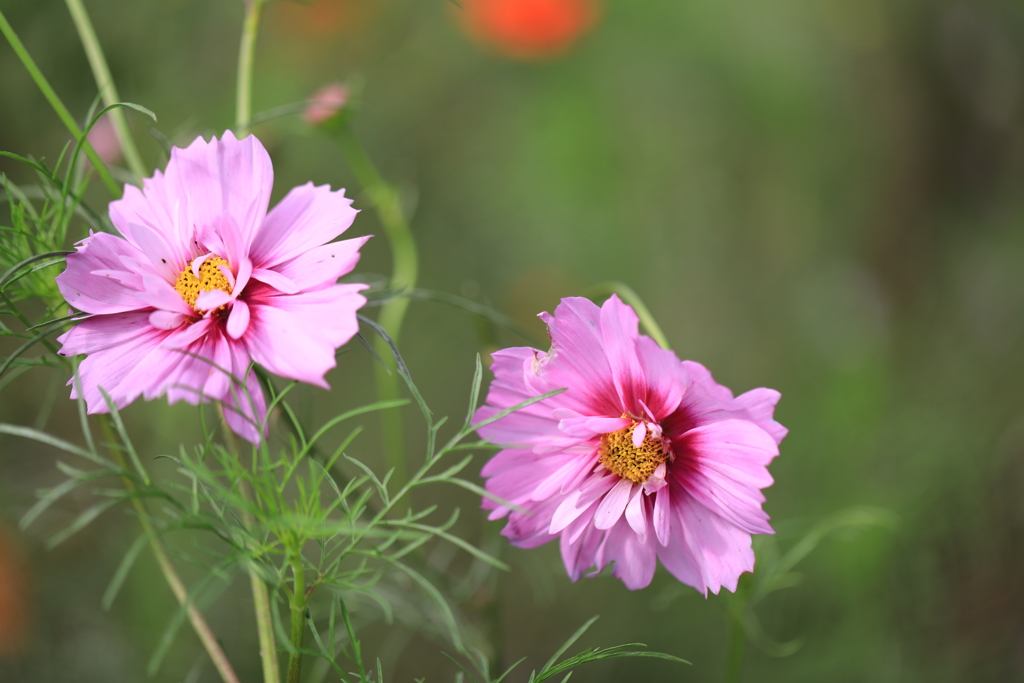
(265, 628)
(260, 594)
(737, 642)
(630, 297)
(58, 106)
(298, 626)
(195, 617)
(403, 278)
(105, 83)
(736, 608)
(246, 57)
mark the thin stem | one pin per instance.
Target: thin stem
(403, 278)
(736, 608)
(246, 57)
(195, 617)
(298, 625)
(260, 594)
(105, 83)
(58, 106)
(630, 297)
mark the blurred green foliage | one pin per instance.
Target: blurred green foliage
(819, 196)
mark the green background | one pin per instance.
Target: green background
(819, 196)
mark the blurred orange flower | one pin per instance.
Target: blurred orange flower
(14, 603)
(322, 18)
(529, 29)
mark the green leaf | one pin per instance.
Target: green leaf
(127, 562)
(83, 520)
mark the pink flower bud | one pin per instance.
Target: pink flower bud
(325, 103)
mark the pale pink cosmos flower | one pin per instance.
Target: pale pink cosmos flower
(205, 280)
(643, 457)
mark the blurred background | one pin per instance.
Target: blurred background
(819, 196)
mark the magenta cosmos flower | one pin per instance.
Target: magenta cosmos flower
(205, 280)
(643, 457)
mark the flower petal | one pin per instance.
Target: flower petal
(307, 217)
(238, 319)
(87, 291)
(296, 336)
(635, 560)
(321, 266)
(636, 515)
(613, 505)
(227, 186)
(278, 281)
(619, 336)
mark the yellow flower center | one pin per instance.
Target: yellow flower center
(620, 456)
(210, 278)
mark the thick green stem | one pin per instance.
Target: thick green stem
(630, 297)
(105, 83)
(246, 56)
(58, 106)
(403, 278)
(195, 617)
(298, 626)
(265, 628)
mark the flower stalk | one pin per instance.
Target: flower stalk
(405, 271)
(62, 112)
(195, 617)
(246, 57)
(105, 83)
(260, 594)
(298, 620)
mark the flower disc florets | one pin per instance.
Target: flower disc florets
(205, 274)
(634, 453)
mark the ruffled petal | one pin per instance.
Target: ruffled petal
(84, 289)
(307, 217)
(322, 266)
(723, 550)
(635, 560)
(296, 336)
(724, 465)
(760, 406)
(226, 184)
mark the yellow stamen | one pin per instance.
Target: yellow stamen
(620, 456)
(210, 278)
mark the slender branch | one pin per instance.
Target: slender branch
(392, 313)
(630, 297)
(260, 594)
(246, 57)
(58, 106)
(298, 624)
(105, 83)
(195, 617)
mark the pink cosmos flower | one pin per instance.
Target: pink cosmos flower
(643, 457)
(205, 280)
